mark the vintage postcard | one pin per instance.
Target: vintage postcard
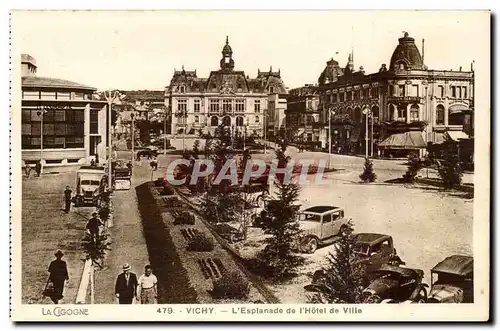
(250, 165)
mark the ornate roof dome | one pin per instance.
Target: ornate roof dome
(227, 49)
(331, 72)
(406, 55)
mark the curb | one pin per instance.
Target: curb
(81, 295)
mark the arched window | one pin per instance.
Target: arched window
(402, 113)
(375, 111)
(226, 121)
(197, 119)
(392, 112)
(440, 114)
(414, 113)
(357, 114)
(214, 121)
(239, 121)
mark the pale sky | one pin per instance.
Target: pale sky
(140, 49)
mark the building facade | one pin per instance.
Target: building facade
(396, 110)
(61, 122)
(227, 96)
(303, 116)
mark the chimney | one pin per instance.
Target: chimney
(423, 50)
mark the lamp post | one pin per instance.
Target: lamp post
(330, 113)
(132, 129)
(371, 141)
(40, 113)
(368, 113)
(165, 114)
(110, 98)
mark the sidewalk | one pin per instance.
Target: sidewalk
(47, 228)
(128, 243)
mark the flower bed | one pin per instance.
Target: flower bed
(204, 268)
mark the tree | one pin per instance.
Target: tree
(415, 164)
(450, 167)
(196, 148)
(342, 279)
(281, 222)
(368, 176)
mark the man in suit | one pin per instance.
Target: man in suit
(126, 286)
(58, 275)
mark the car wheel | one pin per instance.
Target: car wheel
(311, 245)
(422, 296)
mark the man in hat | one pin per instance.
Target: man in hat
(93, 225)
(58, 275)
(147, 289)
(67, 199)
(126, 285)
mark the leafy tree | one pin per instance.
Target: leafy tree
(342, 279)
(196, 148)
(450, 168)
(281, 222)
(368, 175)
(415, 164)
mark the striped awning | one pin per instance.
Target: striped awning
(407, 140)
(456, 135)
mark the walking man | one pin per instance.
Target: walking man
(126, 286)
(58, 275)
(147, 289)
(93, 225)
(67, 199)
(27, 169)
(38, 168)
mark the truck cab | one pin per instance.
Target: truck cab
(90, 183)
(320, 225)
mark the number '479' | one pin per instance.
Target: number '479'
(165, 310)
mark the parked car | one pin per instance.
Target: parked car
(148, 152)
(452, 280)
(320, 226)
(375, 250)
(394, 284)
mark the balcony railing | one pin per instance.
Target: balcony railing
(404, 99)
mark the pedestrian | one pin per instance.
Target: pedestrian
(38, 168)
(93, 225)
(27, 169)
(126, 286)
(58, 274)
(92, 163)
(138, 158)
(147, 289)
(67, 199)
(154, 164)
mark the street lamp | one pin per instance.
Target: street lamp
(368, 114)
(165, 114)
(132, 129)
(330, 113)
(40, 113)
(110, 98)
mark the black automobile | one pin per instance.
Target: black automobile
(394, 284)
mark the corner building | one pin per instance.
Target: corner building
(61, 123)
(228, 97)
(408, 105)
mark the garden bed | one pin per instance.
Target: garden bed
(206, 267)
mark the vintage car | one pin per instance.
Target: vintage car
(90, 183)
(452, 280)
(320, 225)
(149, 152)
(375, 250)
(396, 284)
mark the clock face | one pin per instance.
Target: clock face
(226, 60)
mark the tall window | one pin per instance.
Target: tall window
(196, 105)
(239, 121)
(374, 92)
(415, 90)
(464, 92)
(182, 89)
(440, 114)
(214, 105)
(309, 104)
(459, 88)
(453, 91)
(94, 121)
(271, 89)
(333, 98)
(342, 97)
(391, 90)
(401, 90)
(240, 105)
(257, 106)
(441, 91)
(414, 110)
(227, 105)
(197, 119)
(349, 96)
(62, 128)
(182, 105)
(402, 113)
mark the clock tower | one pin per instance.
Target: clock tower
(227, 63)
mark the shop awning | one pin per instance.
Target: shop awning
(457, 108)
(407, 140)
(456, 135)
